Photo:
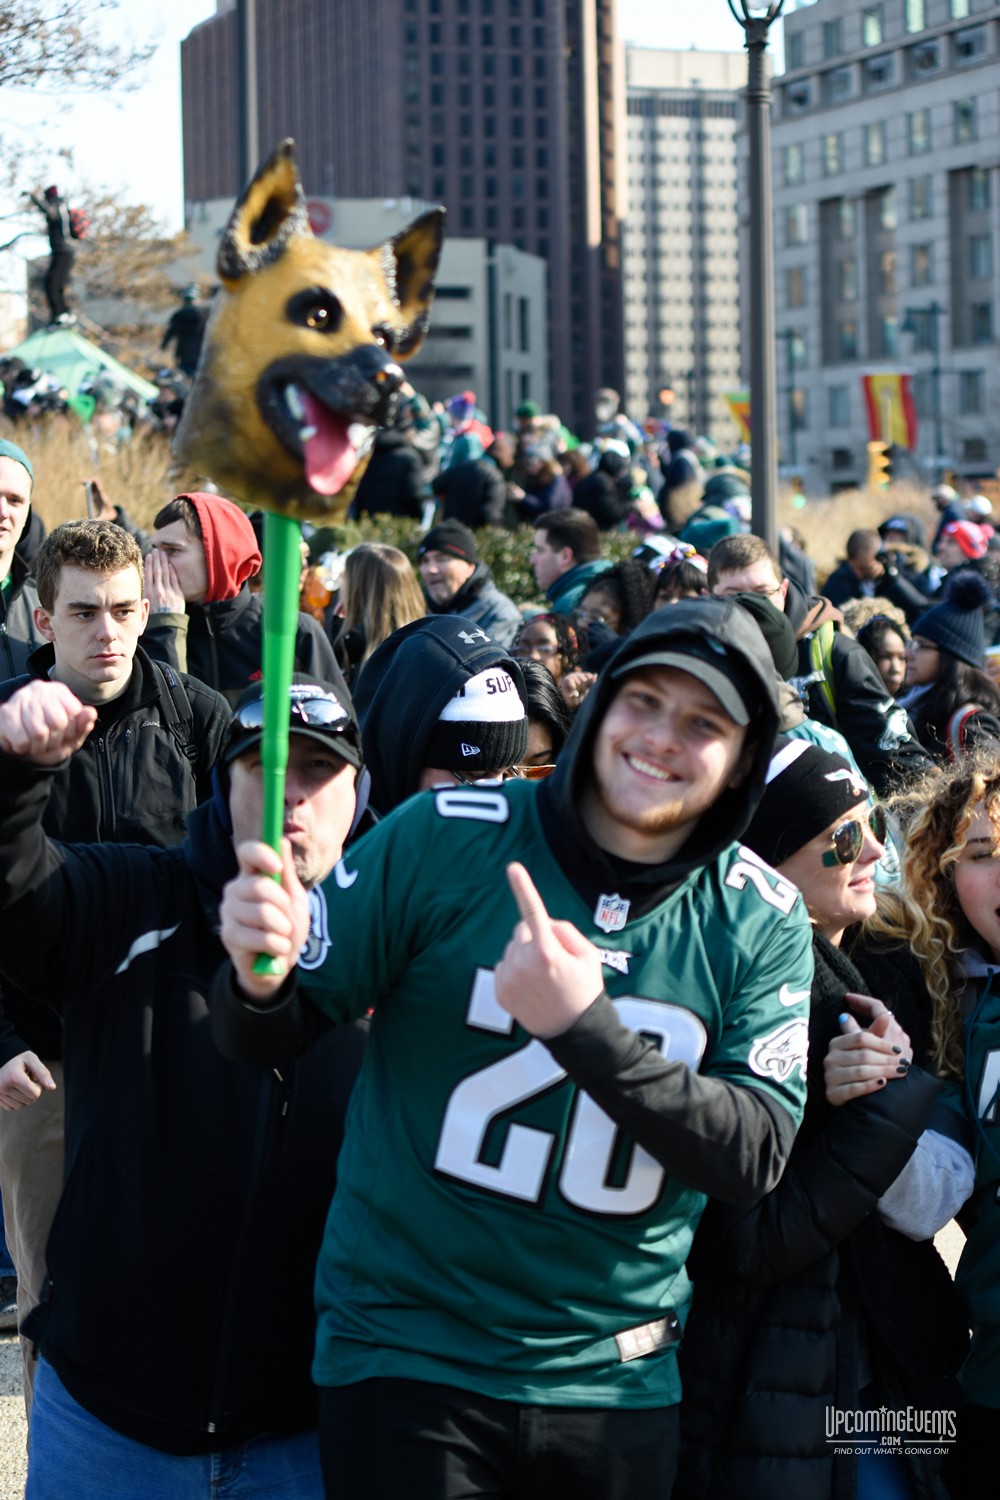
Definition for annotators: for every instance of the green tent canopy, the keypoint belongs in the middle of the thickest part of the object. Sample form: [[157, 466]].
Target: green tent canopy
[[75, 361]]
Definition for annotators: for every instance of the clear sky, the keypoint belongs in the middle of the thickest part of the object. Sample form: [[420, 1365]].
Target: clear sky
[[130, 141]]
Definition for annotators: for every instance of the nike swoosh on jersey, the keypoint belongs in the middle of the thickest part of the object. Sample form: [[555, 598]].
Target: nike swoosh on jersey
[[343, 879], [791, 997]]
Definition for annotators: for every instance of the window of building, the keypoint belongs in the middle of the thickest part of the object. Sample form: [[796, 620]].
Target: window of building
[[921, 197], [887, 273], [847, 219], [981, 322], [921, 265], [841, 458], [970, 45], [879, 71], [833, 38], [515, 36], [524, 325], [793, 165], [796, 224], [979, 189], [838, 85], [437, 155], [889, 336], [847, 280], [888, 218], [799, 409], [833, 153], [980, 257], [795, 51], [914, 14], [797, 97], [871, 26], [875, 147], [974, 450], [847, 339], [971, 392], [795, 286], [838, 406], [465, 216], [918, 128], [959, 9], [965, 120], [924, 58]]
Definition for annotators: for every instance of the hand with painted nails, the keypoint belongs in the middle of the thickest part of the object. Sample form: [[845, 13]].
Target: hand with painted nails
[[550, 973], [862, 1061]]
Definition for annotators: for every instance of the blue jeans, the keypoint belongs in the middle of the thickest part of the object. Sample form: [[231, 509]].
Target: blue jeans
[[71, 1453], [6, 1264]]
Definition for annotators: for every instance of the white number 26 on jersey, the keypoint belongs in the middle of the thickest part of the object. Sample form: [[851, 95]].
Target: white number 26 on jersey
[[523, 1164]]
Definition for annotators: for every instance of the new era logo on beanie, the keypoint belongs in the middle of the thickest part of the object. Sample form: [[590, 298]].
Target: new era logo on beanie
[[483, 728]]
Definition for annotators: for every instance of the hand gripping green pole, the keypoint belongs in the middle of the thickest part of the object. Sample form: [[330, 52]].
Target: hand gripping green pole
[[282, 570]]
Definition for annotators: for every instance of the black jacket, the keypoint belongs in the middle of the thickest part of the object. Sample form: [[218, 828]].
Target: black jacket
[[474, 493], [604, 496], [222, 644], [19, 634], [871, 721], [806, 1298], [194, 1186], [146, 764], [393, 482]]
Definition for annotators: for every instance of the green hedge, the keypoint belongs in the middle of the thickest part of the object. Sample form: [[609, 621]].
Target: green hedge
[[506, 552]]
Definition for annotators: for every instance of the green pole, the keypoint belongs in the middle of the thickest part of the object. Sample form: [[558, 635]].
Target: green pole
[[282, 570]]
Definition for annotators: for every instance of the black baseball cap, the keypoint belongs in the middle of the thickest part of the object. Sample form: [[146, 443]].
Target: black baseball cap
[[724, 672], [318, 710]]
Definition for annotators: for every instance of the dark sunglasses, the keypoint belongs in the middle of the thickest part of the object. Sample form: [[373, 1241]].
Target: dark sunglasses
[[310, 707], [849, 838]]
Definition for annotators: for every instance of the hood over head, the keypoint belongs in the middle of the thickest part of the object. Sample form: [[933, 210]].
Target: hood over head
[[711, 633], [231, 552], [405, 686]]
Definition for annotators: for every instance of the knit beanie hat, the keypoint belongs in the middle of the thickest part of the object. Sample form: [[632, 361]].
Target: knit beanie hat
[[971, 537], [11, 450], [482, 729], [452, 538], [806, 790], [956, 624], [777, 630]]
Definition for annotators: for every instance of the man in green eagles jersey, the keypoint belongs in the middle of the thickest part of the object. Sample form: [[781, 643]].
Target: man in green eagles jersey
[[547, 1102]]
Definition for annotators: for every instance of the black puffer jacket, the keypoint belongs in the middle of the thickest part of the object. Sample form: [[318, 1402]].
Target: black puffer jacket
[[191, 1182], [146, 764], [222, 643], [807, 1298]]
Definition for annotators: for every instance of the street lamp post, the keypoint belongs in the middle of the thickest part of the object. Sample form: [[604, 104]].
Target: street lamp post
[[248, 151], [763, 372]]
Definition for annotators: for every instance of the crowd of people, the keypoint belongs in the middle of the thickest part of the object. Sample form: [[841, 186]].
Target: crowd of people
[[629, 1031]]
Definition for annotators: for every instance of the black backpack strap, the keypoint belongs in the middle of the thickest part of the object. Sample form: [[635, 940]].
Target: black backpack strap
[[176, 707]]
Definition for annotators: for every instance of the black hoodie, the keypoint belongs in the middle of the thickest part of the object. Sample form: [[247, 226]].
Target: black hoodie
[[592, 869], [402, 689]]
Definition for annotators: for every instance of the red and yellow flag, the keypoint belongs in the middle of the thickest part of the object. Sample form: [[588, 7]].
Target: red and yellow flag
[[739, 409], [892, 415]]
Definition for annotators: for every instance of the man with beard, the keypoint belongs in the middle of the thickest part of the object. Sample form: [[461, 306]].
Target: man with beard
[[540, 1118]]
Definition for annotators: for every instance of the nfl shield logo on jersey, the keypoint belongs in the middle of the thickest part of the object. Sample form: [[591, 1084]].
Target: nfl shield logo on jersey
[[611, 913]]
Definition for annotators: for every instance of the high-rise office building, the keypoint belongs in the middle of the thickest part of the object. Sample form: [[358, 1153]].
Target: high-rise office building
[[681, 236], [502, 110], [886, 195]]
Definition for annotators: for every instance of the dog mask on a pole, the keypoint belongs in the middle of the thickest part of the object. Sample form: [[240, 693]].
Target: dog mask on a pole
[[300, 363]]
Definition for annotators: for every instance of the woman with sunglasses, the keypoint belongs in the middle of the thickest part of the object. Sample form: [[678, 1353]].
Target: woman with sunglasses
[[816, 1300], [953, 704]]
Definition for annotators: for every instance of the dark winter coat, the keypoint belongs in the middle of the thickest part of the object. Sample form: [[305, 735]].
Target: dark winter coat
[[194, 1187], [474, 493], [480, 601], [145, 766], [805, 1299], [19, 635], [393, 482], [872, 723]]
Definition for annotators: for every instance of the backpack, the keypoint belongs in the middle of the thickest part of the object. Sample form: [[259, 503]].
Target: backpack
[[79, 224], [178, 714]]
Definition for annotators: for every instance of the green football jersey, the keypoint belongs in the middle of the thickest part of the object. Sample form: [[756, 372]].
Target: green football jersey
[[492, 1228]]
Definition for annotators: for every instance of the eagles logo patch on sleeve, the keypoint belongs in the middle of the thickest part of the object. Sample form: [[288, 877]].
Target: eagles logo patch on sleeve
[[778, 1054]]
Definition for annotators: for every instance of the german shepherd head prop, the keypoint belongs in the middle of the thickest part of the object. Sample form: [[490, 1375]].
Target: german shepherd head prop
[[300, 361]]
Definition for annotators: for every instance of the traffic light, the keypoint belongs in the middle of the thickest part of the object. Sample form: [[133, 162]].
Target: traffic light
[[879, 466]]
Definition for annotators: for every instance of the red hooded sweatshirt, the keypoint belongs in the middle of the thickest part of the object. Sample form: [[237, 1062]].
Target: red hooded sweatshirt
[[231, 551]]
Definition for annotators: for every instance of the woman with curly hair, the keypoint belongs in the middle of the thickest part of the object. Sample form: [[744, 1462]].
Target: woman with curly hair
[[954, 706], [951, 922], [617, 600], [548, 638]]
